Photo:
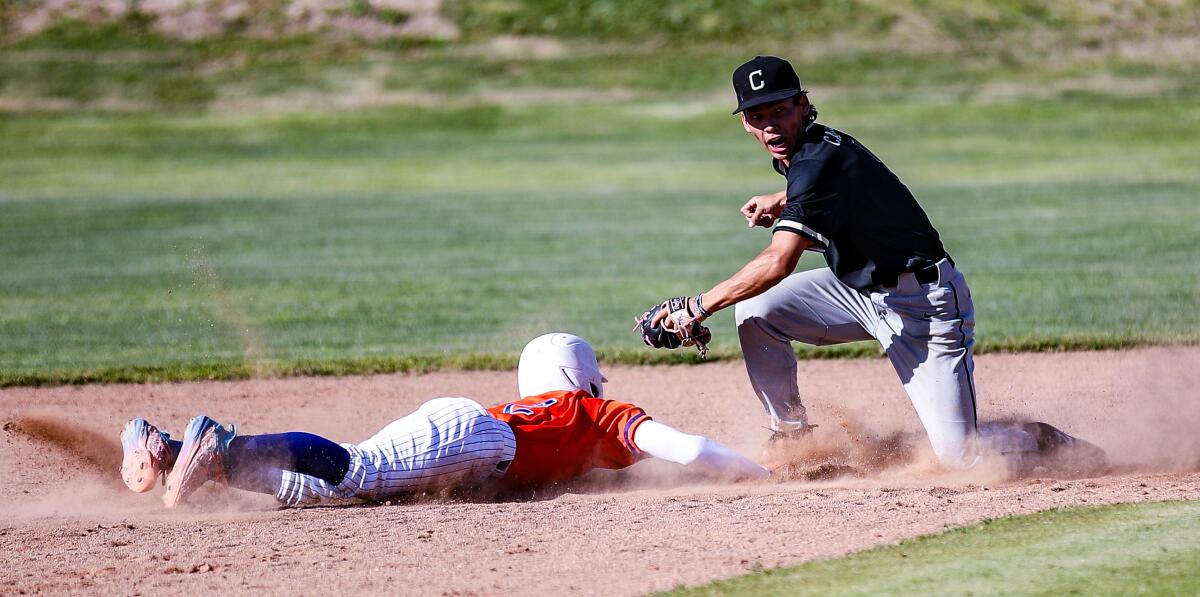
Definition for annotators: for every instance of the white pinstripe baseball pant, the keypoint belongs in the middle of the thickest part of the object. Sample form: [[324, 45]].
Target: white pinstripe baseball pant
[[446, 443]]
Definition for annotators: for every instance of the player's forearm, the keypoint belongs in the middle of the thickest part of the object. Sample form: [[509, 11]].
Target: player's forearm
[[771, 266], [696, 452], [753, 279]]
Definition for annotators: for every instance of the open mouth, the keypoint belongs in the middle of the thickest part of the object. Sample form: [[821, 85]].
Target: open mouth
[[777, 143]]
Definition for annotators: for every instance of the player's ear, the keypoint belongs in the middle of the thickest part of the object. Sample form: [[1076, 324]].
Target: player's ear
[[802, 101], [746, 125]]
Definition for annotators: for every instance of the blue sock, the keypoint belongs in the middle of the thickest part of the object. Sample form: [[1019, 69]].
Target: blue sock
[[256, 462], [174, 446]]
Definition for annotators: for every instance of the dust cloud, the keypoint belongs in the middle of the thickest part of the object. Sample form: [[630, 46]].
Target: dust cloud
[[1159, 430], [93, 451]]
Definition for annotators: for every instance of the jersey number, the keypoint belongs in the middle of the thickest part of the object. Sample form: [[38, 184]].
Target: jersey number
[[513, 408]]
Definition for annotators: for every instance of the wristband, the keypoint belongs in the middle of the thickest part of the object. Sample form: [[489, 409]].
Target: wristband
[[700, 307]]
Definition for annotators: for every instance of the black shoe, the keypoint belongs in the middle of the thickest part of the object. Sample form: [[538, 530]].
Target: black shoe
[[1067, 455]]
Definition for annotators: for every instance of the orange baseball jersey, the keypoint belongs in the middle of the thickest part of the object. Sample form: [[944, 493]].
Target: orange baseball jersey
[[561, 435]]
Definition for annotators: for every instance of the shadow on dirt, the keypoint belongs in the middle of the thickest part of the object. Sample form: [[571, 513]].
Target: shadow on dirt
[[98, 452]]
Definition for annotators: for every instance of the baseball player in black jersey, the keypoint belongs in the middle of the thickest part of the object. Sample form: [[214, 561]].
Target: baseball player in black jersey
[[888, 277]]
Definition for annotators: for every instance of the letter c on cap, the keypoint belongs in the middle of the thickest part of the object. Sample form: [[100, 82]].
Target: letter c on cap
[[760, 83]]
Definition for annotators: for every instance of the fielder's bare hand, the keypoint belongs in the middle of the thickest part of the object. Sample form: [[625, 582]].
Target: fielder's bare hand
[[763, 210]]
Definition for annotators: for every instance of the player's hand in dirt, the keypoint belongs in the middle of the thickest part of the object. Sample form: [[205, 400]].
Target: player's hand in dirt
[[763, 210]]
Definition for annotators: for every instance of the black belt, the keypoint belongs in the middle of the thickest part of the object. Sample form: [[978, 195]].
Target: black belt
[[925, 275], [929, 274]]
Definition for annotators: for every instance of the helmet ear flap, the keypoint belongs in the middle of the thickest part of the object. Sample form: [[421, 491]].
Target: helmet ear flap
[[582, 379], [574, 379]]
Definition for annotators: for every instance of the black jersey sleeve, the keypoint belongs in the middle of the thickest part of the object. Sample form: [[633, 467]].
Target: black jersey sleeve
[[811, 209]]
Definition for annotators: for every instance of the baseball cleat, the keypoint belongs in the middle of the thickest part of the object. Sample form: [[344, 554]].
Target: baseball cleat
[[201, 459], [1066, 454], [147, 456]]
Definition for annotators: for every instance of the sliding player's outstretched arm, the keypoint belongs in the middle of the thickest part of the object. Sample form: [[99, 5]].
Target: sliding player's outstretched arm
[[696, 452]]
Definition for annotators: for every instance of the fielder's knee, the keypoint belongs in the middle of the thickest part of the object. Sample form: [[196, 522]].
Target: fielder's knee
[[751, 310]]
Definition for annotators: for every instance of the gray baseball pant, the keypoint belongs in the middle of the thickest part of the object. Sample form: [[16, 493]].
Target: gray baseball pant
[[927, 331]]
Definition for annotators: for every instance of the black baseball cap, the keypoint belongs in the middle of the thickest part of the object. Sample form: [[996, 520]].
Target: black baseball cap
[[763, 80]]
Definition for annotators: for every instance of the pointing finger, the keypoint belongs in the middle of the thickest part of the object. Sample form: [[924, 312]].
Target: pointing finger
[[756, 217]]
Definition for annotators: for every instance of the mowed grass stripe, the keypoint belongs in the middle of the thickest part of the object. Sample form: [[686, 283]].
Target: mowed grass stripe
[[927, 140], [1125, 549]]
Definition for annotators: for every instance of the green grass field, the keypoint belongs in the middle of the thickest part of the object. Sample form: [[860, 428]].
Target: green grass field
[[181, 210], [186, 245], [1127, 549]]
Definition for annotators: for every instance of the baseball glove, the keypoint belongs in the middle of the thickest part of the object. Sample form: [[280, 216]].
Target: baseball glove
[[680, 327]]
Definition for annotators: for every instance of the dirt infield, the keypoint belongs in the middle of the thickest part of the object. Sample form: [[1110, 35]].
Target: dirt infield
[[70, 526]]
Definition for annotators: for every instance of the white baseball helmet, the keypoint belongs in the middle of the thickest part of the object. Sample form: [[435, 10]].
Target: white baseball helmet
[[559, 361]]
